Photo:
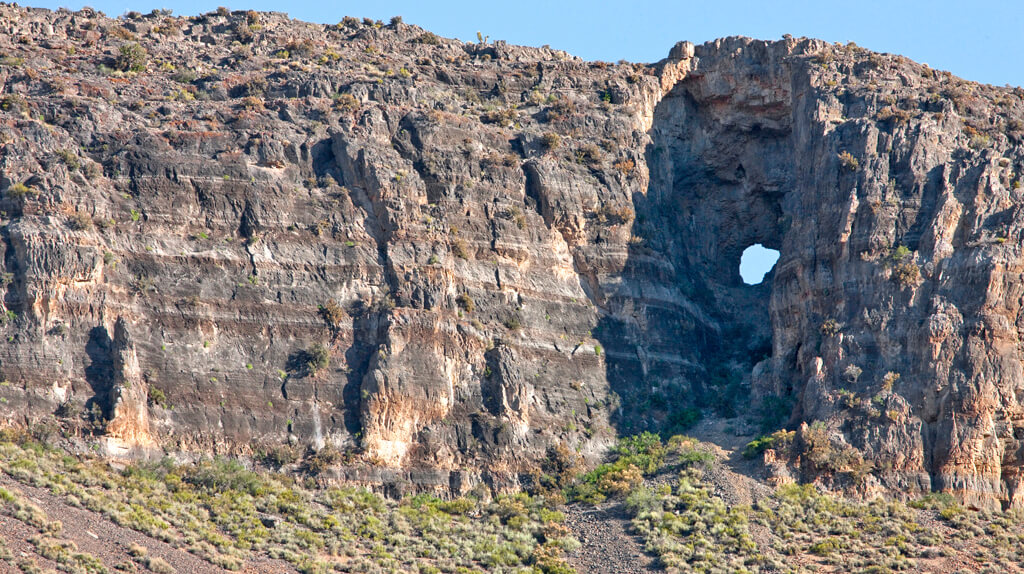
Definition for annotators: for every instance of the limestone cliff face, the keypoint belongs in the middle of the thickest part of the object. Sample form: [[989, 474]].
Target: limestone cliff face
[[447, 258]]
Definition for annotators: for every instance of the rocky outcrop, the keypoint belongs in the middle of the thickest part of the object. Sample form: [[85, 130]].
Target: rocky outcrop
[[128, 426], [447, 258]]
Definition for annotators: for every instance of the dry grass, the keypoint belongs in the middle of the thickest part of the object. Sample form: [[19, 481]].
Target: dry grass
[[800, 529], [226, 515]]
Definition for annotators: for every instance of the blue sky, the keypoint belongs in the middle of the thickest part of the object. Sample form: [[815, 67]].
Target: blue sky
[[978, 40]]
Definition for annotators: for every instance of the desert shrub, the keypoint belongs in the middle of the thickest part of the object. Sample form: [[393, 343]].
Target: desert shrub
[[158, 565], [894, 115], [848, 162], [778, 440], [69, 159], [80, 221], [560, 110], [157, 397], [318, 358], [322, 460], [458, 247], [332, 313], [889, 379], [691, 530], [683, 420], [935, 501], [500, 160], [18, 190], [428, 38], [224, 514], [465, 302], [696, 459], [906, 274], [517, 216], [137, 550], [901, 260], [831, 328], [625, 166], [852, 373], [614, 215], [13, 103], [644, 450], [550, 141], [278, 456], [131, 57], [308, 362], [979, 141], [502, 117], [512, 322], [223, 474], [589, 154], [346, 102], [635, 456]]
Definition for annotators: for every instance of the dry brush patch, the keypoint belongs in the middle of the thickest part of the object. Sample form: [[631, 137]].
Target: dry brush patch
[[227, 515]]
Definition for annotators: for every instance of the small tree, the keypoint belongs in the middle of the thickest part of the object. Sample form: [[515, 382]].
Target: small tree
[[317, 358], [131, 58]]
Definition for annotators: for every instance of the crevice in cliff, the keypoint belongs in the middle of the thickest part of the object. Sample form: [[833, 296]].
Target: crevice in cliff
[[683, 332], [370, 320], [13, 279], [7, 274], [534, 193], [99, 373]]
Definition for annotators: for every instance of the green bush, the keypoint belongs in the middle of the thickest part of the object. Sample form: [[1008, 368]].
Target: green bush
[[635, 456], [317, 358], [18, 190], [223, 474], [777, 440], [466, 302], [131, 57], [683, 420], [935, 500], [157, 397], [644, 451]]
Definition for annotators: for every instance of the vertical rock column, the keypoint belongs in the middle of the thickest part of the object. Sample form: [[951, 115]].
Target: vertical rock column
[[128, 428]]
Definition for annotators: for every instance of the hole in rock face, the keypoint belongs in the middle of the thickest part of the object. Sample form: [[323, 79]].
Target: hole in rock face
[[756, 261]]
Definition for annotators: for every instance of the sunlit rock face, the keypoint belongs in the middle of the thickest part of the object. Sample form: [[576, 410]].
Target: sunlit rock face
[[447, 259]]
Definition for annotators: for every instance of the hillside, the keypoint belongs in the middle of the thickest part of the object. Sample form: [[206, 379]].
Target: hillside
[[374, 257]]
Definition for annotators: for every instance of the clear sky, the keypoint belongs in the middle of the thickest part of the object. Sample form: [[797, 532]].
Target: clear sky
[[980, 40]]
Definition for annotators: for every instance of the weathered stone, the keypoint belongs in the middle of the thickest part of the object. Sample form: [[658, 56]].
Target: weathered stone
[[503, 249]]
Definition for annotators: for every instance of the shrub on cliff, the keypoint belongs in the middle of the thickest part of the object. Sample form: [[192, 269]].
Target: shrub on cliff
[[322, 459], [906, 274], [778, 440], [19, 190], [157, 397], [466, 302], [332, 313], [318, 358], [848, 161], [131, 58]]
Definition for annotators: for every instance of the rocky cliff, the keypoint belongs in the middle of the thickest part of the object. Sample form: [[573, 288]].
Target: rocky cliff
[[452, 261]]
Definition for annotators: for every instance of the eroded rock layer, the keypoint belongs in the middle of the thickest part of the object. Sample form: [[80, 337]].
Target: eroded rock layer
[[234, 232]]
